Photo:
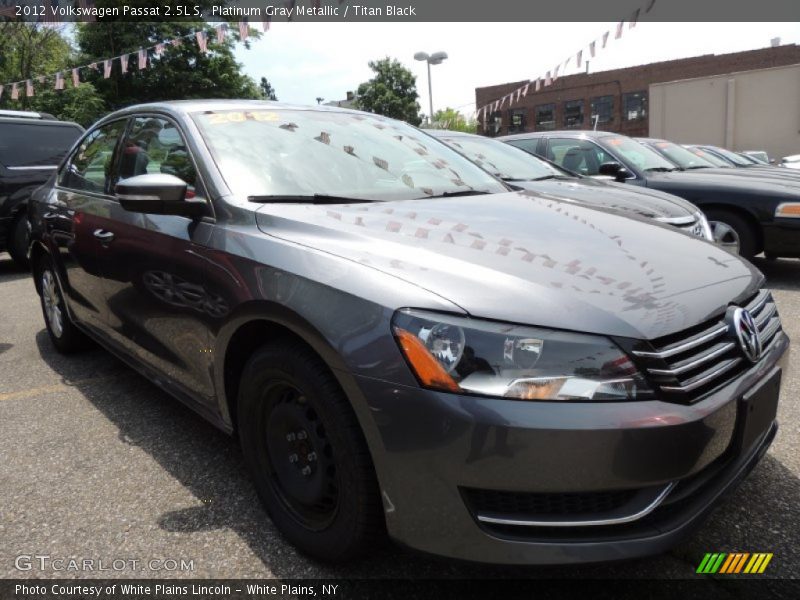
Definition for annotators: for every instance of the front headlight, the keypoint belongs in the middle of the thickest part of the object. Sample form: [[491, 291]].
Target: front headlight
[[703, 222], [469, 356]]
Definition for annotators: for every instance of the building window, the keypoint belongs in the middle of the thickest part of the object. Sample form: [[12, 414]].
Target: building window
[[573, 114], [545, 117], [635, 106], [603, 109], [495, 122], [516, 120]]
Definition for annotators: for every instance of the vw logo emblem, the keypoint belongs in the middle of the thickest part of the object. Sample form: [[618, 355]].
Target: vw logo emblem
[[746, 332]]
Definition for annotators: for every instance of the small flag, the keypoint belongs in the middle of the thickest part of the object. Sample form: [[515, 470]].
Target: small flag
[[59, 81], [202, 41], [265, 24], [579, 58], [142, 58], [605, 39], [107, 68], [93, 66], [547, 80], [14, 92], [75, 79], [649, 6], [592, 48], [525, 90], [29, 88], [123, 63], [620, 25], [634, 18], [244, 30], [538, 84], [555, 74], [221, 31], [159, 50], [41, 79]]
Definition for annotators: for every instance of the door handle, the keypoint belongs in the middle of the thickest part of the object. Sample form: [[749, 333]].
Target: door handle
[[104, 236]]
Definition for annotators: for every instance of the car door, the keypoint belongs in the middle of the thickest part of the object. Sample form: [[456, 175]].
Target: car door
[[153, 268], [76, 220]]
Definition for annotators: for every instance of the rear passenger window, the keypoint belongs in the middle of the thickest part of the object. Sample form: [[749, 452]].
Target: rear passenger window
[[91, 167], [35, 144], [529, 145], [154, 145]]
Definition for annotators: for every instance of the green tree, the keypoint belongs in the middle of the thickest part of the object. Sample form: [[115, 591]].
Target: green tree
[[451, 119], [181, 71], [267, 90], [392, 92]]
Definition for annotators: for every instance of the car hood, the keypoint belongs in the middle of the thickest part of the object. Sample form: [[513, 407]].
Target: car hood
[[529, 258], [757, 182], [643, 202], [766, 172]]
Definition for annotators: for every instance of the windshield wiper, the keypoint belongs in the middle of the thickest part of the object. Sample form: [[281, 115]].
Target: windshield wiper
[[697, 167], [662, 169], [459, 193], [308, 199]]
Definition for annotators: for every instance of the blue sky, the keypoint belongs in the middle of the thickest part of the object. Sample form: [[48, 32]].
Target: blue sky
[[306, 60]]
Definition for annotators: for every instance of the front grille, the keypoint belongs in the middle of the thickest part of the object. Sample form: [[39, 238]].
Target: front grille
[[531, 505], [691, 364]]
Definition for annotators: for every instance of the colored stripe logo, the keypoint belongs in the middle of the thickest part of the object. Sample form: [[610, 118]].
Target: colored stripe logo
[[734, 563]]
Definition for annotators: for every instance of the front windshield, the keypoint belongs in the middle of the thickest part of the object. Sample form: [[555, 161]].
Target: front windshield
[[681, 156], [639, 155], [733, 157], [708, 157], [273, 153], [502, 160]]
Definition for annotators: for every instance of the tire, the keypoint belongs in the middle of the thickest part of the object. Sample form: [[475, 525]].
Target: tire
[[18, 242], [64, 335], [307, 455], [734, 233]]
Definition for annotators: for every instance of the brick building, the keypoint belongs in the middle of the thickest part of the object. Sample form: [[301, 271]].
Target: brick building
[[619, 97]]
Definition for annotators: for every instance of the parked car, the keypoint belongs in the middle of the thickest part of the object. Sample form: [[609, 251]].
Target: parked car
[[742, 161], [31, 146], [689, 159], [747, 215], [758, 155], [403, 343], [524, 171], [791, 162]]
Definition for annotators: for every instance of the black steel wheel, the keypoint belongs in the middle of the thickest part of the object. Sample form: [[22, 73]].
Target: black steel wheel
[[307, 455]]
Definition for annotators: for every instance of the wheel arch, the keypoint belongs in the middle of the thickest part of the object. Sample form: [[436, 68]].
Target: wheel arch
[[253, 326]]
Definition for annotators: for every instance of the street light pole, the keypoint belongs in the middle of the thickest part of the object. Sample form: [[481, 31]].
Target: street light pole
[[432, 59]]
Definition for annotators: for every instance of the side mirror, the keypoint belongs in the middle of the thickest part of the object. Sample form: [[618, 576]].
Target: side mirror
[[158, 194], [615, 170]]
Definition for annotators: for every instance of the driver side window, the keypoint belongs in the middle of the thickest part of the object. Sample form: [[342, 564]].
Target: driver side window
[[91, 166], [154, 145]]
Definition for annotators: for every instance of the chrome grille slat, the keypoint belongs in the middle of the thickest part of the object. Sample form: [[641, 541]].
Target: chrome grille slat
[[680, 347], [695, 361], [766, 314], [758, 302], [704, 377], [687, 369]]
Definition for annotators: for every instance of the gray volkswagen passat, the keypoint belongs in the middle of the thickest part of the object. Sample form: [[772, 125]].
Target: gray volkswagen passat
[[403, 344]]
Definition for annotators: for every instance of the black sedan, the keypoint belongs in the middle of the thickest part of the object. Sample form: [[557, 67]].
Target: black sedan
[[749, 215]]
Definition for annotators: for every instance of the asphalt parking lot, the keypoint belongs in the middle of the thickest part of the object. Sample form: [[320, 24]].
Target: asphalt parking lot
[[97, 463]]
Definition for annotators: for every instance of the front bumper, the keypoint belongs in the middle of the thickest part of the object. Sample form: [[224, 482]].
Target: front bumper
[[782, 238], [433, 450]]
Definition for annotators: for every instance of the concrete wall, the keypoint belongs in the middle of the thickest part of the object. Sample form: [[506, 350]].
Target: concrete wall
[[749, 110]]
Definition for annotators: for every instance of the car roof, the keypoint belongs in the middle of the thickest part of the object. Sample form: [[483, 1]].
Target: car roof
[[26, 114], [39, 122], [573, 133], [185, 107]]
